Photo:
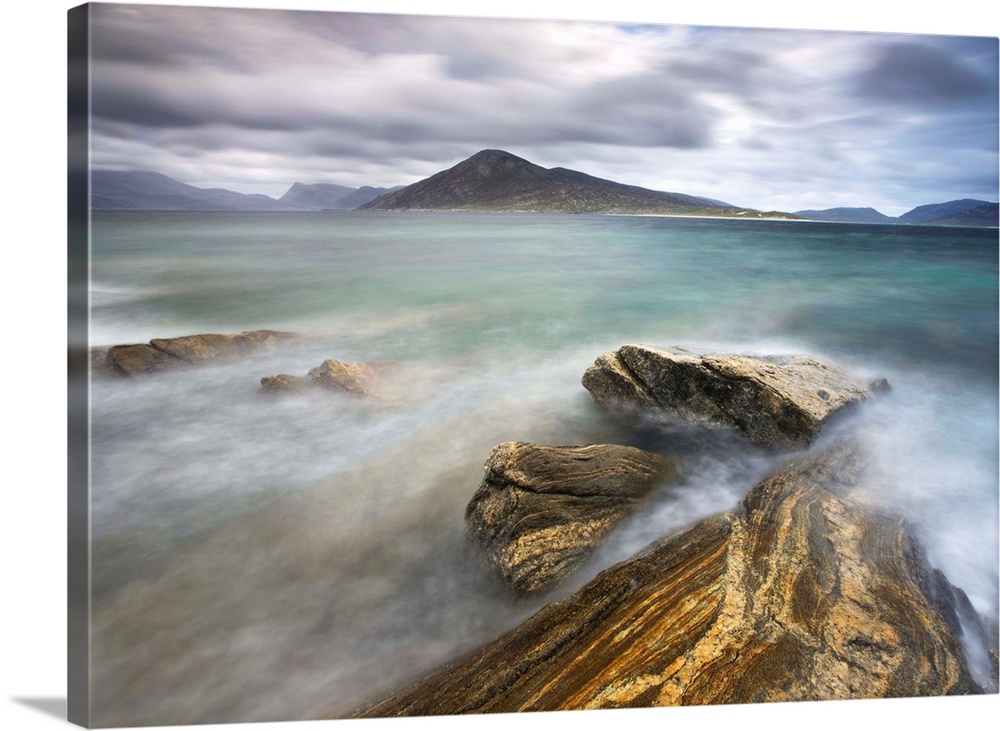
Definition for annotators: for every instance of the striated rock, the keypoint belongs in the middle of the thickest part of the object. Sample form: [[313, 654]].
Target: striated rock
[[540, 511], [801, 593], [330, 375], [779, 402], [162, 354]]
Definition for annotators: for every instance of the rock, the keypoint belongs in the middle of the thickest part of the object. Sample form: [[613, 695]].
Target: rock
[[282, 383], [540, 511], [162, 354], [330, 375], [211, 347], [779, 402], [801, 593], [139, 360]]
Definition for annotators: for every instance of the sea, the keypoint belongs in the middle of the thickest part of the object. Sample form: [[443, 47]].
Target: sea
[[263, 559]]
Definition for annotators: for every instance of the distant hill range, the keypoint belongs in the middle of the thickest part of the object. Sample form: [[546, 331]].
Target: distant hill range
[[495, 180], [132, 190], [490, 180], [331, 197], [964, 212]]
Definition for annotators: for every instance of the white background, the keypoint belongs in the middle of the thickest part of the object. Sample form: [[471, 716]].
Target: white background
[[33, 451]]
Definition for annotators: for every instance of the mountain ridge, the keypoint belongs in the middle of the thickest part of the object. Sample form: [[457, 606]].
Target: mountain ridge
[[968, 212], [493, 180], [497, 180], [141, 190]]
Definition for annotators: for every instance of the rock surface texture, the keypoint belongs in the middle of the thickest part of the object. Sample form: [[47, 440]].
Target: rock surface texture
[[163, 354], [801, 593], [330, 375], [779, 402], [540, 510]]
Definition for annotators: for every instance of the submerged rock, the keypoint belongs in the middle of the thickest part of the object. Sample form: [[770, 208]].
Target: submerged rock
[[163, 354], [779, 402], [540, 510], [802, 593], [330, 375]]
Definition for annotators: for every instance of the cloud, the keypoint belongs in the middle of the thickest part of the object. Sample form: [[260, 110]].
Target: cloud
[[915, 73], [255, 100]]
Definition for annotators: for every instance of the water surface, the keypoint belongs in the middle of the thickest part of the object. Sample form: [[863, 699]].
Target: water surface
[[260, 559]]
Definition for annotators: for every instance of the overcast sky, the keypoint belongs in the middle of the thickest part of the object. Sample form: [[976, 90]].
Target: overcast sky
[[254, 100]]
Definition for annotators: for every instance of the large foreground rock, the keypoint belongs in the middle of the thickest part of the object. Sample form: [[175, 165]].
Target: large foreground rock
[[801, 593], [779, 402], [540, 510], [164, 354]]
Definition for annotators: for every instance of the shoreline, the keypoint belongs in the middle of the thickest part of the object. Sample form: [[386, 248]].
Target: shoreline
[[101, 211]]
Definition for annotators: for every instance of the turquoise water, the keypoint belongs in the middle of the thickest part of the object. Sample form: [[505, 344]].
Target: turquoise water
[[325, 535]]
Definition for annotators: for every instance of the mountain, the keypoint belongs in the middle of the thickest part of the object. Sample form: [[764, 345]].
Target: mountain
[[987, 215], [331, 197], [134, 190], [847, 215], [495, 180], [967, 209], [964, 212], [316, 196]]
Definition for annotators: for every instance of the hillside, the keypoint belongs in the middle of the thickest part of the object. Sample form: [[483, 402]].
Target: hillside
[[964, 212], [847, 215], [134, 190], [494, 180], [331, 197]]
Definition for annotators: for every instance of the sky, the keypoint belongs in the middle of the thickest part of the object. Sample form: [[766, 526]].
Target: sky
[[253, 100]]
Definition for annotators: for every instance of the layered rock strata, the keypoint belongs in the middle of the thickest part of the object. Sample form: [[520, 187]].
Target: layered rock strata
[[801, 593], [165, 354], [541, 510], [330, 375], [779, 402]]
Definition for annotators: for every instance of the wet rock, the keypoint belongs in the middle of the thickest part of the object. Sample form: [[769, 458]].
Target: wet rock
[[779, 402], [801, 593], [140, 360], [330, 375], [164, 354], [196, 349], [541, 510]]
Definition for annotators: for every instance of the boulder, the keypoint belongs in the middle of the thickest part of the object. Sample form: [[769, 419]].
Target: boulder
[[163, 354], [800, 593], [540, 510], [779, 402], [330, 375]]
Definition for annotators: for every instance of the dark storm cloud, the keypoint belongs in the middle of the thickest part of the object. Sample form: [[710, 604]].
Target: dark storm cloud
[[645, 110], [732, 70], [471, 54], [920, 74], [124, 35], [143, 107]]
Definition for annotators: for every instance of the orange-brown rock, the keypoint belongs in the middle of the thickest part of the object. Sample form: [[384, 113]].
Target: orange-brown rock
[[330, 375], [540, 511], [802, 593], [163, 354]]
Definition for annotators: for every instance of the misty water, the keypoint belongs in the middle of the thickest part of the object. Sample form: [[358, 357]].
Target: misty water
[[263, 558]]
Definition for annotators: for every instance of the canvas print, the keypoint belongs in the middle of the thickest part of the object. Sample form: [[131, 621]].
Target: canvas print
[[428, 365]]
